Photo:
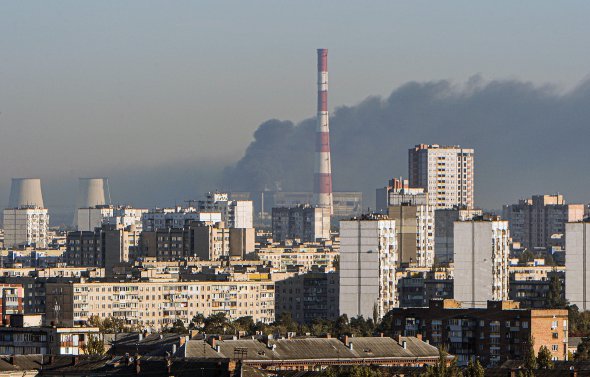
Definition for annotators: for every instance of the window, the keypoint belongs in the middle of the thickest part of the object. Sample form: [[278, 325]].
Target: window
[[555, 347]]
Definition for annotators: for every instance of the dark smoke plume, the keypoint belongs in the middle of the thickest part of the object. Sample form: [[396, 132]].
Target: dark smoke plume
[[528, 139]]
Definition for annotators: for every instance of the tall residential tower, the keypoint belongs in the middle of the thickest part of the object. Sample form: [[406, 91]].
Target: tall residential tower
[[445, 172]]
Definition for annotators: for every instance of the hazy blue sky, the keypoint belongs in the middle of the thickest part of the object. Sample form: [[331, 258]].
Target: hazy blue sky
[[88, 88]]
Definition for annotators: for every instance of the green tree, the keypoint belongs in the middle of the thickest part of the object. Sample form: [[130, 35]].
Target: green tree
[[111, 325], [94, 345], [583, 351], [216, 324], [443, 368], [526, 256], [544, 358], [245, 324], [197, 322], [178, 327], [555, 298], [474, 369], [530, 361], [352, 371], [342, 326]]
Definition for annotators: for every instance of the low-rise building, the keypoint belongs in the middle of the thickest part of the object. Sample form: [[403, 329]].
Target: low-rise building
[[494, 334], [317, 353], [530, 284]]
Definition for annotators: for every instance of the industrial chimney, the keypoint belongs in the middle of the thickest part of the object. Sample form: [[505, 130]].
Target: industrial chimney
[[322, 193], [91, 192], [25, 192]]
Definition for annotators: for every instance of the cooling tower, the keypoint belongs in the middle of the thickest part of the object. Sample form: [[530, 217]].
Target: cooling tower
[[25, 192], [91, 192]]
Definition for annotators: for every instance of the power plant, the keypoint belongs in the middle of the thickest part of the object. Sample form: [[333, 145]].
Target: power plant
[[91, 192], [323, 167], [92, 206], [26, 219], [25, 192]]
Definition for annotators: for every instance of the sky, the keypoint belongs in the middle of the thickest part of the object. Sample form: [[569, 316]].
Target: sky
[[161, 96]]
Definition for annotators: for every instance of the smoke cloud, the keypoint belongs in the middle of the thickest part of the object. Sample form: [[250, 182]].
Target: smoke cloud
[[528, 139]]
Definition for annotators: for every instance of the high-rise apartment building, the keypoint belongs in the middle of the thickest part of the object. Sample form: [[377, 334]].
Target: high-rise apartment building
[[178, 217], [205, 240], [303, 222], [539, 222], [481, 253], [445, 172], [368, 259], [106, 246], [414, 222], [87, 219], [126, 216], [234, 213], [577, 264], [444, 225], [26, 220]]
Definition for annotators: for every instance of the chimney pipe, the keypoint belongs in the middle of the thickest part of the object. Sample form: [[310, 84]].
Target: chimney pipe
[[323, 166]]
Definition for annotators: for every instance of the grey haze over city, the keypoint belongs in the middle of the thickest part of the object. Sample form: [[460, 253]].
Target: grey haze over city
[[171, 103]]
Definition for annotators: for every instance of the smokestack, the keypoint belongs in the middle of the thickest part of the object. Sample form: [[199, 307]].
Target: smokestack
[[91, 192], [323, 167], [26, 192]]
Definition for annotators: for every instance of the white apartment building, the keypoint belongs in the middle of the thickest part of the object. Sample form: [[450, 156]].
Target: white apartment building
[[26, 226], [444, 227], [481, 250], [577, 264], [158, 304], [87, 219], [234, 213], [445, 172], [368, 259], [179, 217], [126, 216]]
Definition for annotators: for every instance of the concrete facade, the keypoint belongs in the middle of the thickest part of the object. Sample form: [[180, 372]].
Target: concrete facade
[[234, 213], [539, 222], [368, 259], [26, 226], [158, 304], [87, 219], [303, 222], [481, 253], [577, 264], [444, 226], [445, 172], [414, 224]]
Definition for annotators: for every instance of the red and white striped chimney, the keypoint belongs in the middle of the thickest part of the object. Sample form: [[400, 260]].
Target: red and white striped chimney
[[323, 167]]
